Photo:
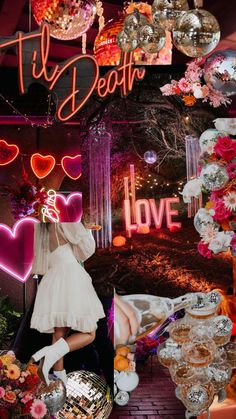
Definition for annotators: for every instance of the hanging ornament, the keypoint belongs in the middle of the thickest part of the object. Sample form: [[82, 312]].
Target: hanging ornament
[[84, 43], [214, 176], [125, 42], [133, 22], [197, 33], [67, 19], [220, 71], [151, 39], [166, 12], [8, 152], [150, 156]]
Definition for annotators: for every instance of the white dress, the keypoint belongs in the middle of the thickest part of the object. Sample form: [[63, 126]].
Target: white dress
[[65, 296]]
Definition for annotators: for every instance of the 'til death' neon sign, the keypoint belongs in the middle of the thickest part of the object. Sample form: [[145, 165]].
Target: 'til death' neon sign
[[74, 80]]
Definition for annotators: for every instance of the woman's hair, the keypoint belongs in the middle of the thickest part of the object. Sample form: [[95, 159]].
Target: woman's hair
[[44, 226]]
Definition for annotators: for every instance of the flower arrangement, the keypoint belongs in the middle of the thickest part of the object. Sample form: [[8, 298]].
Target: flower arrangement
[[216, 223], [27, 199], [191, 88], [18, 385]]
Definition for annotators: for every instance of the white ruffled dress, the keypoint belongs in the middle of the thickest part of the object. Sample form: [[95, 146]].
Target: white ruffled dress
[[65, 296]]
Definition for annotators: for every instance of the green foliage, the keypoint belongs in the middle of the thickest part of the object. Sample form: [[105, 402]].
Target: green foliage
[[9, 320]]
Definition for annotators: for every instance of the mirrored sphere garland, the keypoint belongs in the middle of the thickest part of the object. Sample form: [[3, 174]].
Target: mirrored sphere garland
[[195, 32], [199, 355]]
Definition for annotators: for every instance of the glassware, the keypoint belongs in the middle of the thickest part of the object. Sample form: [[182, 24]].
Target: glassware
[[222, 328], [206, 306], [200, 352], [169, 352], [219, 375], [179, 331], [183, 373], [230, 350], [197, 398]]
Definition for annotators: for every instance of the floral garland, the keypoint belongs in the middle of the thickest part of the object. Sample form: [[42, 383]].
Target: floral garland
[[191, 88], [216, 223], [18, 385], [26, 200]]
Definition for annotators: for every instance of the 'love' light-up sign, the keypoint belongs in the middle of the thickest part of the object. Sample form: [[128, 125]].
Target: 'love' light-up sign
[[17, 248], [73, 81], [146, 209]]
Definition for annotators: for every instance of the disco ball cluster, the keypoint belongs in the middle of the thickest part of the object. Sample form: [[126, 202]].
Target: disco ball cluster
[[67, 19], [195, 32]]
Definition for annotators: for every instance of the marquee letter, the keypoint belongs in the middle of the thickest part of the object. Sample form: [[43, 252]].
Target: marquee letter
[[138, 211], [128, 225], [157, 217], [172, 226]]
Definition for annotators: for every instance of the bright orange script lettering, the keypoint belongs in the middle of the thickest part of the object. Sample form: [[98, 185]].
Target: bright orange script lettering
[[74, 80]]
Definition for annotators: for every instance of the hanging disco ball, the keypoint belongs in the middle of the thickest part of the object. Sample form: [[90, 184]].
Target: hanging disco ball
[[133, 22], [125, 42], [151, 39], [166, 12], [67, 19], [150, 157], [220, 71], [88, 396], [197, 33]]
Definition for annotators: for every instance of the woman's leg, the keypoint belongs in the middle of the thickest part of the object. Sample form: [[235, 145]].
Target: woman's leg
[[79, 340], [60, 332]]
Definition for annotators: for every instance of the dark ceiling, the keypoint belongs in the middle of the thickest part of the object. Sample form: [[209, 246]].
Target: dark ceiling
[[14, 16]]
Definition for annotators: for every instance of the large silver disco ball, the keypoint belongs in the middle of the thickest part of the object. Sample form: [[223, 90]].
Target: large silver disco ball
[[88, 396], [53, 395], [220, 71]]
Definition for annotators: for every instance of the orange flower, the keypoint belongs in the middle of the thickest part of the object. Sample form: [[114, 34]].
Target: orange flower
[[122, 350], [10, 397], [7, 359], [209, 205], [225, 226], [33, 369], [13, 372], [121, 363], [189, 100]]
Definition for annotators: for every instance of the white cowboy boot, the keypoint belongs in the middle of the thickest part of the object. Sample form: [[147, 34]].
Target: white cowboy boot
[[48, 356], [61, 375]]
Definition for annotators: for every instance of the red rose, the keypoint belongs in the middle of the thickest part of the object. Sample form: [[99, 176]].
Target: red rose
[[225, 148], [204, 250], [26, 408], [221, 212]]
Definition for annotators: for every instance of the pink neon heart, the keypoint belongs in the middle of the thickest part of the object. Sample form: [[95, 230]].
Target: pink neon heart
[[72, 166], [70, 207], [17, 248]]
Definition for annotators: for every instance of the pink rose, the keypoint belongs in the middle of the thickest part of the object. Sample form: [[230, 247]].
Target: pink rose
[[217, 195], [225, 148], [231, 170], [221, 212], [204, 250], [184, 85]]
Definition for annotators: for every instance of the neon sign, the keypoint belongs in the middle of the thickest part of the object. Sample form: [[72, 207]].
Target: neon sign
[[73, 81], [72, 166], [145, 208], [8, 152], [60, 208], [17, 248], [42, 165]]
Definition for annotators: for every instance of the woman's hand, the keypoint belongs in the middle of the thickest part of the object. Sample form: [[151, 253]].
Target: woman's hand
[[90, 226], [126, 323]]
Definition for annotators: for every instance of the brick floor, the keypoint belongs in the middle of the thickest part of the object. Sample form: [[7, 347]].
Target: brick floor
[[154, 398]]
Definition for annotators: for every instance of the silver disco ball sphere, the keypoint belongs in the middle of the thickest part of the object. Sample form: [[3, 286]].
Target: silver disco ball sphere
[[88, 396], [53, 395]]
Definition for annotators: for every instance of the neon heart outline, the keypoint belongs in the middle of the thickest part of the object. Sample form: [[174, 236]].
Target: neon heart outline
[[10, 145], [43, 157], [71, 158], [67, 199], [12, 234]]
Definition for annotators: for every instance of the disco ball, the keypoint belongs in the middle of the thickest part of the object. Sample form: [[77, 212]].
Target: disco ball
[[166, 12], [220, 71], [133, 22], [150, 157], [67, 19], [125, 42], [151, 39], [53, 395], [214, 176], [197, 33], [88, 396]]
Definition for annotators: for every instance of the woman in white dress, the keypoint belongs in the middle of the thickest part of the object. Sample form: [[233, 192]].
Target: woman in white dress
[[66, 299]]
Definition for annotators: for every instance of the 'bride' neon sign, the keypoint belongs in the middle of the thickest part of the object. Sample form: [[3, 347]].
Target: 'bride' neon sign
[[74, 80]]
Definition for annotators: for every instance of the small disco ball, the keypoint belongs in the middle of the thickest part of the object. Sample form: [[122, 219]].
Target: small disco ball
[[67, 19], [53, 395], [88, 396], [220, 71], [150, 157]]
